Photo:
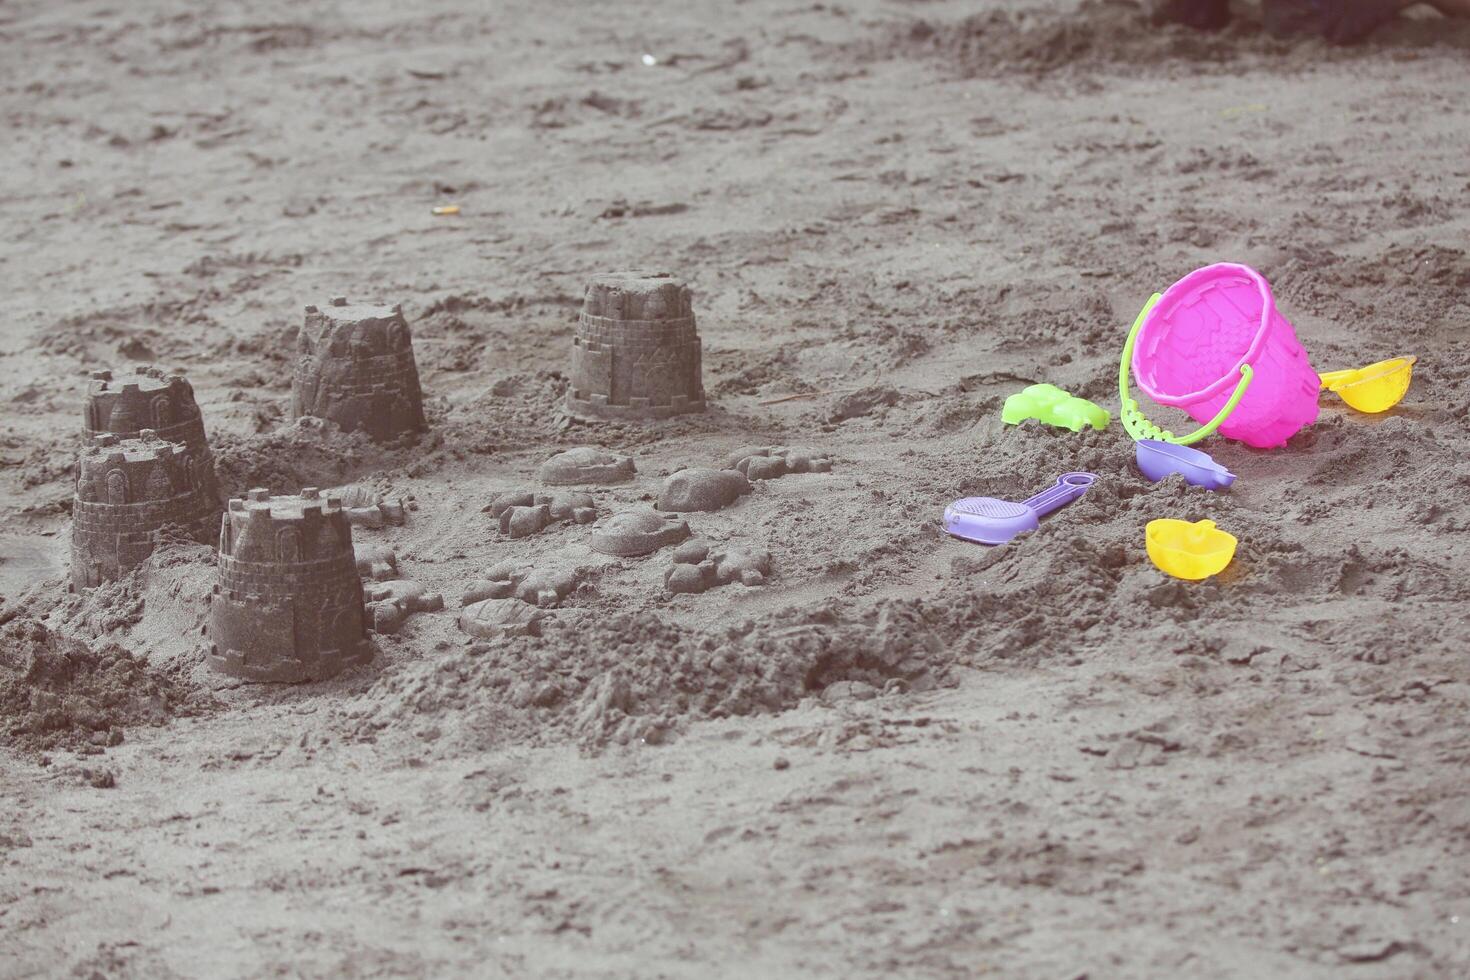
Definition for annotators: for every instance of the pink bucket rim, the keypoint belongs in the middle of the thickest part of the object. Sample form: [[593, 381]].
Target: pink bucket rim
[[1227, 382]]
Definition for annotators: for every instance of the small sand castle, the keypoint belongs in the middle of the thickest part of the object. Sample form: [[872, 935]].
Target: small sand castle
[[289, 603], [636, 354], [355, 366], [125, 404], [127, 491]]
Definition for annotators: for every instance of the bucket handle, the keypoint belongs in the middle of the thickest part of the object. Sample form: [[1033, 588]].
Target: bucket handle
[[1137, 425]]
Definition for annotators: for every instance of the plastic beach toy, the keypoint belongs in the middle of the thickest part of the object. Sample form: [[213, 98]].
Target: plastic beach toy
[[1157, 460], [987, 520], [1375, 388], [1214, 345], [1190, 551], [1053, 406]]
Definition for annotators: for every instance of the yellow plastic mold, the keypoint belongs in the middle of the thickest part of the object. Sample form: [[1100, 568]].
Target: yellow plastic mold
[[1189, 551], [1375, 388]]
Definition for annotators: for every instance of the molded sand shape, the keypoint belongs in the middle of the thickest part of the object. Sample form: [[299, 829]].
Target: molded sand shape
[[126, 492], [1375, 388], [702, 489], [1189, 551], [355, 366], [289, 603], [584, 465], [986, 520], [126, 404], [1157, 460], [375, 561], [522, 514], [634, 533], [490, 619], [1053, 406], [390, 603], [635, 351], [773, 462], [512, 579], [697, 569], [366, 507]]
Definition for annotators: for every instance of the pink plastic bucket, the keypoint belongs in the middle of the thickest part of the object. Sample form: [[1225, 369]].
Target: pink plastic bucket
[[1191, 346]]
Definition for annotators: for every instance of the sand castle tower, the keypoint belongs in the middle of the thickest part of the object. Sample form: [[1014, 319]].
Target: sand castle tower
[[289, 603], [127, 404], [355, 366], [636, 354], [127, 490]]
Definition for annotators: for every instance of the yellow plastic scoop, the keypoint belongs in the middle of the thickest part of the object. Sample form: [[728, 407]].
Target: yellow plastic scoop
[[1191, 551], [1375, 388]]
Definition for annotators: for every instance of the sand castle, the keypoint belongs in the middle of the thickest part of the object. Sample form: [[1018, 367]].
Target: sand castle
[[636, 354], [289, 603], [127, 491], [355, 366], [126, 404]]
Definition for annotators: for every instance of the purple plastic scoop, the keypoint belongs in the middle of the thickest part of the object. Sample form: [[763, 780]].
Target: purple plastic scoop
[[990, 521], [1157, 460]]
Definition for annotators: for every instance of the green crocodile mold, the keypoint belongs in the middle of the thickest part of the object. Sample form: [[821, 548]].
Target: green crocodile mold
[[1052, 405]]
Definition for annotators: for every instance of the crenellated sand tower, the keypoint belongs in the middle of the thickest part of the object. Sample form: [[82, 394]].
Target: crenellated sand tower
[[126, 404], [127, 491], [355, 366], [289, 603], [636, 353]]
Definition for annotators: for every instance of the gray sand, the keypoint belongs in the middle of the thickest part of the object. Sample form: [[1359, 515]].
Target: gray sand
[[902, 755]]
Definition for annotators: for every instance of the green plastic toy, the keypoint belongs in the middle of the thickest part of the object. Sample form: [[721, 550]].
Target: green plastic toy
[[1053, 406]]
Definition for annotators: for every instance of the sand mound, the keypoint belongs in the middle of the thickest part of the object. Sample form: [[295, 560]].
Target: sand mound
[[1122, 34], [1099, 33], [308, 452], [636, 676], [59, 692]]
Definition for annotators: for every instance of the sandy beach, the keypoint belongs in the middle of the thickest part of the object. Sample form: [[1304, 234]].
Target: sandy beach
[[903, 754]]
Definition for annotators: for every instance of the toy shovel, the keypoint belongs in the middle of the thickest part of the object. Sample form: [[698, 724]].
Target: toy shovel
[[987, 520]]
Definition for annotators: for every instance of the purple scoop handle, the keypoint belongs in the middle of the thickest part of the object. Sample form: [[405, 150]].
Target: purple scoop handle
[[1069, 487]]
